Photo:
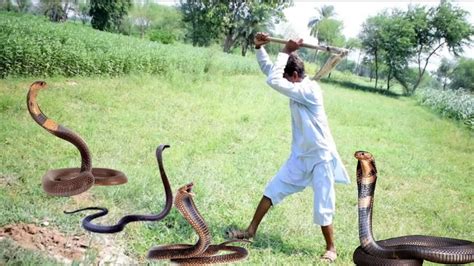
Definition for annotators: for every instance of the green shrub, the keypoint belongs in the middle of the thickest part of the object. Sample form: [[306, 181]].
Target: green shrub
[[32, 46], [457, 104]]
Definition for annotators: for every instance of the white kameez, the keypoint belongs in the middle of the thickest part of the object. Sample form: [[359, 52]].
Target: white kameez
[[312, 148], [312, 141]]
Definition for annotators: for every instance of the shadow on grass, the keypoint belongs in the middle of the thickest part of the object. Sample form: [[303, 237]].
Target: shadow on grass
[[279, 245], [355, 86], [275, 243]]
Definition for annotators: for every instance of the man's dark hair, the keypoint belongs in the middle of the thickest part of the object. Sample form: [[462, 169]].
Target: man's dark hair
[[294, 64]]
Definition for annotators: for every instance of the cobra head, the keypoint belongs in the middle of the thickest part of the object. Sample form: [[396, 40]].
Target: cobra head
[[186, 189], [365, 165], [38, 85]]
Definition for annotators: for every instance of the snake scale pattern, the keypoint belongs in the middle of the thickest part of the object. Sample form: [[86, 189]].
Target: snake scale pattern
[[109, 229], [69, 181], [405, 250], [202, 252]]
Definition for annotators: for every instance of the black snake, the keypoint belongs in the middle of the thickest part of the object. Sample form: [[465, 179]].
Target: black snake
[[108, 229], [405, 250], [202, 252], [69, 181]]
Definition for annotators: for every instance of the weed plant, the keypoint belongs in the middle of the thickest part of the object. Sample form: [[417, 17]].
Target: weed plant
[[457, 104]]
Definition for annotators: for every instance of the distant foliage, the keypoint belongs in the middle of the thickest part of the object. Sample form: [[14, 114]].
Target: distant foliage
[[32, 46], [457, 104], [108, 15]]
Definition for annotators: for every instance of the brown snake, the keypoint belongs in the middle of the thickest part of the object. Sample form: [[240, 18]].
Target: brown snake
[[405, 250], [69, 181], [202, 252]]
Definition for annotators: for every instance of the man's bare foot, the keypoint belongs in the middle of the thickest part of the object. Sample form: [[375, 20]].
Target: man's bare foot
[[238, 234], [329, 256]]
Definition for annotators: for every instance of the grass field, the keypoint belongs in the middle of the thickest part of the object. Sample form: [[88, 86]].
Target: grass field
[[230, 134]]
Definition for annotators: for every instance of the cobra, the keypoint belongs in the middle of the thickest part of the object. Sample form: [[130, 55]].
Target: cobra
[[69, 181], [404, 250], [202, 252], [108, 229]]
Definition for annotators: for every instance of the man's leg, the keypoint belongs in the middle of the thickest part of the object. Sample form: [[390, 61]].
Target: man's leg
[[328, 233], [262, 209], [324, 206], [274, 193]]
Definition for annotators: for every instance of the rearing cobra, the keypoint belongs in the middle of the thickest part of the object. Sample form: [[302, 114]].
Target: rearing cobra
[[69, 181], [202, 252], [405, 250]]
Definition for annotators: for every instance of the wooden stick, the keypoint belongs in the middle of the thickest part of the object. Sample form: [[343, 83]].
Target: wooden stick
[[330, 49]]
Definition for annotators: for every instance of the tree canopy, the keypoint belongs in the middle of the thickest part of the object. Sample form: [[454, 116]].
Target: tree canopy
[[236, 22], [399, 38]]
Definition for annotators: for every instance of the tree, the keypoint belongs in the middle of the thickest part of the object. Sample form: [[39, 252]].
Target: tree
[[415, 35], [57, 10], [397, 39], [237, 21], [371, 39], [108, 15], [203, 21], [444, 25], [354, 44], [444, 71], [143, 16], [21, 6], [463, 75], [83, 10], [167, 25], [250, 18], [325, 12]]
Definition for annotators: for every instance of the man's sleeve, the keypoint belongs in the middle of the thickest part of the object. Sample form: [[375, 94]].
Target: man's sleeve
[[264, 61], [292, 90]]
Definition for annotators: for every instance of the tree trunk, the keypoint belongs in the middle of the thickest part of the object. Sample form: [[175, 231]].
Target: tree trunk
[[355, 71], [245, 46], [376, 69], [229, 41], [421, 72]]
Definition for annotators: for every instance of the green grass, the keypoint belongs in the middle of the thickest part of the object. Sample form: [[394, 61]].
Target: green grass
[[230, 134], [13, 255]]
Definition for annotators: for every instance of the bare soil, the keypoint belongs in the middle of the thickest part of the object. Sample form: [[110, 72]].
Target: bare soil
[[63, 248]]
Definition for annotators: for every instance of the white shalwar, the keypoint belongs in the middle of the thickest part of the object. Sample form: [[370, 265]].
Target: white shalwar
[[314, 159]]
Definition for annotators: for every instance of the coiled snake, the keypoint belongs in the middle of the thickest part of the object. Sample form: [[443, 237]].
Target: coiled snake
[[202, 252], [87, 221], [405, 250], [69, 181]]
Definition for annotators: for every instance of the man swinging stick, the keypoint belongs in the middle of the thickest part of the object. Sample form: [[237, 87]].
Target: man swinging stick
[[314, 160]]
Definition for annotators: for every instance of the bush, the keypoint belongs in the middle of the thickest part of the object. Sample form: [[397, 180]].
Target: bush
[[32, 46], [457, 104]]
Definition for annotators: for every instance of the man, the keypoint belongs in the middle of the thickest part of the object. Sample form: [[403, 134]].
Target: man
[[314, 160]]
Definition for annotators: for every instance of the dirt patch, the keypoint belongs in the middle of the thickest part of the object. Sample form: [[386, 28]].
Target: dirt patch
[[63, 248], [7, 180], [30, 236]]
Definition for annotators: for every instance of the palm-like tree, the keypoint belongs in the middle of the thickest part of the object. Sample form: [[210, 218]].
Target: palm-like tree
[[324, 12]]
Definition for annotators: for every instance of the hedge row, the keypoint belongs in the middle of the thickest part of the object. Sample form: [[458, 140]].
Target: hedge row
[[32, 46]]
